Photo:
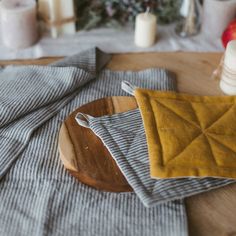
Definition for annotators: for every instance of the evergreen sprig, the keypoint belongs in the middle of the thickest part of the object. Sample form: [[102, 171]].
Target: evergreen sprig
[[116, 13]]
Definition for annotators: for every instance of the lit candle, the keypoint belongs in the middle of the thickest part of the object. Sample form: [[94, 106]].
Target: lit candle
[[18, 23], [145, 29], [228, 77]]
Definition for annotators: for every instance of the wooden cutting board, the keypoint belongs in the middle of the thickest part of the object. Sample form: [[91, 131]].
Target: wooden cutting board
[[84, 155]]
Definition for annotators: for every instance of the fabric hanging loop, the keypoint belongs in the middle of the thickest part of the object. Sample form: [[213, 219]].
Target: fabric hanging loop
[[128, 87], [83, 119]]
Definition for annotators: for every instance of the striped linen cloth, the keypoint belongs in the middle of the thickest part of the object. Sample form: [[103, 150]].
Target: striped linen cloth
[[124, 136], [38, 196]]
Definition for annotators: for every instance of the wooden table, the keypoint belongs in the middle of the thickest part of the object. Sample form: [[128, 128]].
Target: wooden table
[[212, 213]]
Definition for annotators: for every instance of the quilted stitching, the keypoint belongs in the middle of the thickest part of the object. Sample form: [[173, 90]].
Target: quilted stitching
[[189, 135]]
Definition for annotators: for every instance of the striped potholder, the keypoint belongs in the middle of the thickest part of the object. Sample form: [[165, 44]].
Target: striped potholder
[[124, 136]]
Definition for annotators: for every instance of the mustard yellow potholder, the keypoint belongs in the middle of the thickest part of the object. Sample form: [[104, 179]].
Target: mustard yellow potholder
[[189, 135]]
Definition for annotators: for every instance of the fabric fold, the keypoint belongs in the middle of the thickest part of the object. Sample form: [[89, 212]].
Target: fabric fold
[[30, 95], [24, 89]]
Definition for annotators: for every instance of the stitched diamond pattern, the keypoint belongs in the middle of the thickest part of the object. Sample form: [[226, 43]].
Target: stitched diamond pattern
[[189, 135]]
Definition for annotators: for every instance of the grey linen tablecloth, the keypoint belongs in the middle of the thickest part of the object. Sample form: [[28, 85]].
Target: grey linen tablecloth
[[37, 195]]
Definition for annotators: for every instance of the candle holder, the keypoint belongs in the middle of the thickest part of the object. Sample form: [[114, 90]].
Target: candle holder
[[190, 19]]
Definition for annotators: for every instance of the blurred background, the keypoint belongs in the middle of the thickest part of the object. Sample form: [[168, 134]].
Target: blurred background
[[34, 29]]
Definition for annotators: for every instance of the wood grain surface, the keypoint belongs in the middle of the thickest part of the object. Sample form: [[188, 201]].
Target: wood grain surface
[[212, 213], [84, 155]]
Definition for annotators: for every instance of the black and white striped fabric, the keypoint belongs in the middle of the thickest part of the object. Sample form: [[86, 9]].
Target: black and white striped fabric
[[38, 196], [124, 136]]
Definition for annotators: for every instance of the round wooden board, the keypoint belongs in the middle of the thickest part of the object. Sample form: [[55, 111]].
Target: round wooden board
[[83, 153]]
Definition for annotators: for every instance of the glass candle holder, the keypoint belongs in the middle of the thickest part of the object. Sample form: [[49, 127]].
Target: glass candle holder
[[190, 20]]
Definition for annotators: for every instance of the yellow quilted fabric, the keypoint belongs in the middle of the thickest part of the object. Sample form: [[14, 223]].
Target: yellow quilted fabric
[[189, 135]]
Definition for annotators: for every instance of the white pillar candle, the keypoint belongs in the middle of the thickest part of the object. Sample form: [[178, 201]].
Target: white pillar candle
[[56, 11], [18, 23], [68, 11], [228, 77], [145, 29], [54, 15], [230, 55], [216, 16]]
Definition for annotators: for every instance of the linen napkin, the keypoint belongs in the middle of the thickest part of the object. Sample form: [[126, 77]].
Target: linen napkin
[[31, 95], [38, 196]]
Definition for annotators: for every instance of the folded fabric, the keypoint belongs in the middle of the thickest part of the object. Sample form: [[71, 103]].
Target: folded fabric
[[30, 95], [189, 135], [38, 196], [124, 136]]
